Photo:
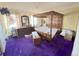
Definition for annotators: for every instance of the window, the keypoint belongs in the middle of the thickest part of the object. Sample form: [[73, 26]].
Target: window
[[33, 21]]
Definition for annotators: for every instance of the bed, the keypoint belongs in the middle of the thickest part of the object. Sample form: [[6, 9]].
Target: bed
[[53, 21]]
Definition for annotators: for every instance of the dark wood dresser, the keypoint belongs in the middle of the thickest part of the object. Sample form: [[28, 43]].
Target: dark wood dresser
[[24, 31]]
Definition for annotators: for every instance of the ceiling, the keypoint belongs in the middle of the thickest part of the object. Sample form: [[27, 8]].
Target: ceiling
[[40, 7]]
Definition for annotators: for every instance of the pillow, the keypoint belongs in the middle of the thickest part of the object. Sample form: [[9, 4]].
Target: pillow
[[69, 32], [63, 33], [68, 35]]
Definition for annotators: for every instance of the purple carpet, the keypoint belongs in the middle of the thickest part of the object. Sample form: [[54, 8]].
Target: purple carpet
[[24, 47]]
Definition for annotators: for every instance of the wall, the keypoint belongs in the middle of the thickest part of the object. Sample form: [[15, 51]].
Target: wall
[[70, 21], [75, 51]]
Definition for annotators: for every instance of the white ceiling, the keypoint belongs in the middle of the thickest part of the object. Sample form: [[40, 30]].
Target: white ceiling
[[40, 7]]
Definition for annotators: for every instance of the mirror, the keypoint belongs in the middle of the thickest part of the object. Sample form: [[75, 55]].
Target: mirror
[[25, 21]]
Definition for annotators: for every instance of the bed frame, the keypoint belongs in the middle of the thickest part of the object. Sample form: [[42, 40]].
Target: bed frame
[[55, 18]]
